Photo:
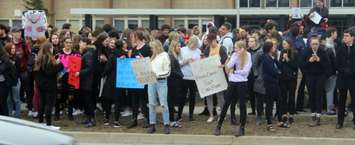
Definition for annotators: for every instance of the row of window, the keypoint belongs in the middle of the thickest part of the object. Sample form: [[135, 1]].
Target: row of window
[[299, 3], [132, 23]]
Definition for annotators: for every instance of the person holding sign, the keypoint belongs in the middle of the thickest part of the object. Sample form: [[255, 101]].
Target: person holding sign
[[238, 68], [161, 68], [86, 75], [140, 96], [189, 54], [213, 50], [46, 70], [319, 12]]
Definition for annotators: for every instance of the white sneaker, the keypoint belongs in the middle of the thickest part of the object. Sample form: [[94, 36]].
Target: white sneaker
[[210, 119], [54, 127], [77, 112], [126, 113], [140, 116], [34, 114], [30, 114]]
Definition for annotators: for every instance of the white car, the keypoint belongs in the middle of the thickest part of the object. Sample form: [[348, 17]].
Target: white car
[[20, 132]]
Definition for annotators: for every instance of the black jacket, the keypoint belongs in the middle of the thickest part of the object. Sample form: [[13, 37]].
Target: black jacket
[[345, 62], [46, 77], [332, 60], [320, 68], [271, 71], [289, 70], [176, 72], [144, 51], [87, 70], [109, 88]]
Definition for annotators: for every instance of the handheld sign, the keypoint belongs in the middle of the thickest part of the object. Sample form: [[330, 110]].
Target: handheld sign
[[74, 65], [315, 18], [125, 77], [296, 13], [34, 22], [142, 68], [210, 79]]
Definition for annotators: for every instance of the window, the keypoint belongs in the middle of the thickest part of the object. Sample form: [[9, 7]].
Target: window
[[254, 3], [132, 24], [160, 23], [17, 23], [119, 25], [75, 25], [335, 3], [99, 23], [4, 22], [243, 3], [284, 3], [306, 3], [271, 3], [204, 25], [349, 3], [192, 23], [178, 23], [59, 23], [145, 23]]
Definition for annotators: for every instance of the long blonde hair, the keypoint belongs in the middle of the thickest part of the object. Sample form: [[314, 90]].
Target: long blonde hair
[[157, 48], [243, 55], [172, 47], [44, 57]]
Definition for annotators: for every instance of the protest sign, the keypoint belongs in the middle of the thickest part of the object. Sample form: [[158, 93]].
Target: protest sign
[[74, 65], [142, 68], [34, 23], [296, 13], [209, 77], [315, 17], [125, 77]]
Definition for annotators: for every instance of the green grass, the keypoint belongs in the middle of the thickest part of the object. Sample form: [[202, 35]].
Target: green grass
[[200, 127]]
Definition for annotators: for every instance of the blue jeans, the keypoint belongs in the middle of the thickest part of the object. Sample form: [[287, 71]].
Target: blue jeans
[[330, 85], [155, 90], [14, 99]]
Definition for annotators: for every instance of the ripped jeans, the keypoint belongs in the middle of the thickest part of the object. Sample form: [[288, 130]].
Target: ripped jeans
[[155, 90]]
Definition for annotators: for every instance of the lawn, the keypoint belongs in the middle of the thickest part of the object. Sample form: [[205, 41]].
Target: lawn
[[199, 126]]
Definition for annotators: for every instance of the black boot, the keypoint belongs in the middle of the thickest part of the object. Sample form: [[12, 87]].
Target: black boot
[[339, 126], [151, 129], [133, 124], [217, 131], [241, 132], [204, 112], [166, 129]]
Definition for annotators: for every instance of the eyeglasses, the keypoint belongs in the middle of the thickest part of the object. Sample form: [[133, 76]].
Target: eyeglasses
[[315, 44]]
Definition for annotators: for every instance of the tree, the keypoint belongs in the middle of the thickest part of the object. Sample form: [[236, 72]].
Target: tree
[[35, 5]]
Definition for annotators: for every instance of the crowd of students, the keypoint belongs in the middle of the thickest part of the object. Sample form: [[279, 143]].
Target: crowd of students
[[262, 65]]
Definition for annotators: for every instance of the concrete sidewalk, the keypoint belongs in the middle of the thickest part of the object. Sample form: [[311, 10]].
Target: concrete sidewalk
[[177, 139]]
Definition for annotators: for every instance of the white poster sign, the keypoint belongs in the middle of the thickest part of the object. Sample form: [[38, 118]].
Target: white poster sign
[[142, 68], [315, 18], [209, 77], [34, 23]]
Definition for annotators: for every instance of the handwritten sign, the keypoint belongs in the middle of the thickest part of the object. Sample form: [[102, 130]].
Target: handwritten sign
[[142, 68], [210, 79], [125, 77], [74, 64], [315, 17], [296, 13], [34, 23]]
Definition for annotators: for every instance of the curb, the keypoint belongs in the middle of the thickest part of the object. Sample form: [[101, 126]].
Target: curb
[[180, 139]]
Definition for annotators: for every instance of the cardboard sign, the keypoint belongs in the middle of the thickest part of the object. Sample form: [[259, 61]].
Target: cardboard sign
[[315, 18], [210, 79], [142, 68], [34, 23], [296, 13], [74, 65], [125, 77]]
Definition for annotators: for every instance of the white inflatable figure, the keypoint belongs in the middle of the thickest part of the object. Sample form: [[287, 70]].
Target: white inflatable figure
[[34, 23]]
